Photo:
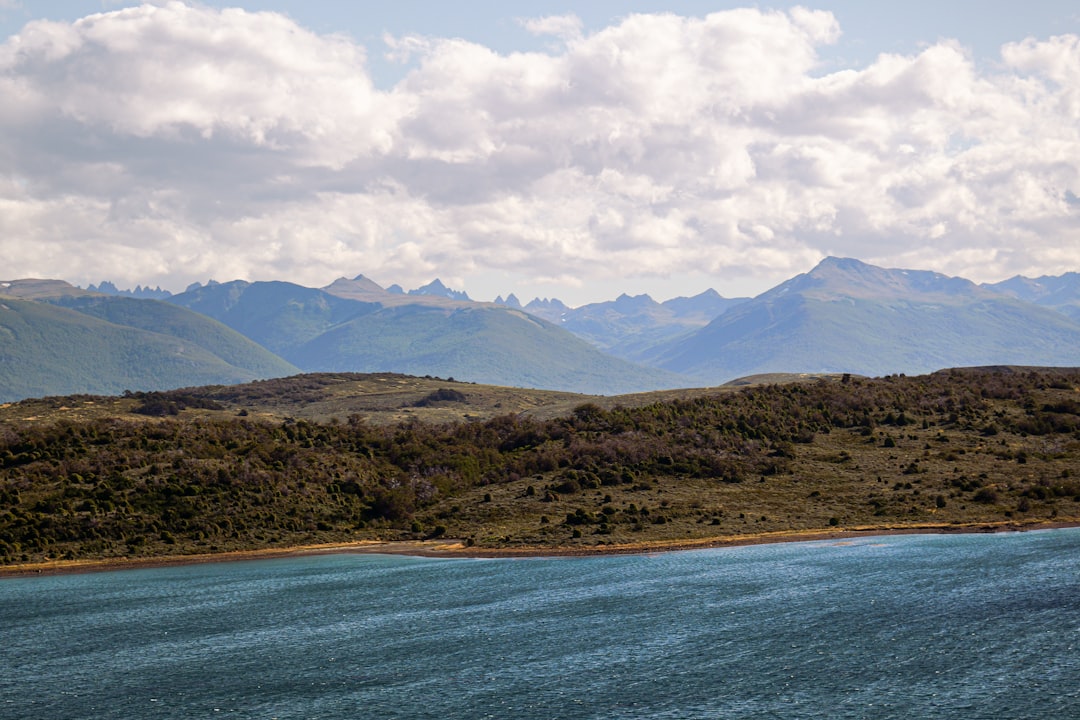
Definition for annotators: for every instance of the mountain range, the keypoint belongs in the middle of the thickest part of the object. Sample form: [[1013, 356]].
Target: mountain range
[[848, 316], [629, 327], [1061, 293], [356, 326], [842, 316]]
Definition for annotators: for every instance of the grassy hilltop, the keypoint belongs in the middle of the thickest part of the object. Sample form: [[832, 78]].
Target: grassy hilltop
[[332, 458]]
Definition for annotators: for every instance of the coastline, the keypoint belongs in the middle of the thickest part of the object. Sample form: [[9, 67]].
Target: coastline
[[458, 549]]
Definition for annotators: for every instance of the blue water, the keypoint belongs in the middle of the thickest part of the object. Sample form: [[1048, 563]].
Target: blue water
[[974, 626]]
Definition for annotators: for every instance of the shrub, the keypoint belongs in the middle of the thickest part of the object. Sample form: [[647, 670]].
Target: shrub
[[441, 395], [568, 486]]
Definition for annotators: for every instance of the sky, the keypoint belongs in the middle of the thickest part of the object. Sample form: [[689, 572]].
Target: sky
[[575, 150]]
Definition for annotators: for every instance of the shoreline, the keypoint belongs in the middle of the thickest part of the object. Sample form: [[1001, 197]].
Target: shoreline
[[458, 549]]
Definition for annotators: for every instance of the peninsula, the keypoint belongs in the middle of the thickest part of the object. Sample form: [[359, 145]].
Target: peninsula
[[344, 462]]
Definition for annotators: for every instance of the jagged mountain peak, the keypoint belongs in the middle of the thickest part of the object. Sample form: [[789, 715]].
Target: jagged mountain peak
[[438, 289], [709, 294], [551, 310], [362, 279], [511, 301], [196, 285], [627, 302], [108, 287], [434, 285], [547, 303], [359, 288]]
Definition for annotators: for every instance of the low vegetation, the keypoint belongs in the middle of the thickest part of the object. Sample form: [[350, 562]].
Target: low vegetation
[[215, 469]]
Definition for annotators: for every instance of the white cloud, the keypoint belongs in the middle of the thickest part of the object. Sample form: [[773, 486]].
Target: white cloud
[[174, 71], [166, 143], [567, 27]]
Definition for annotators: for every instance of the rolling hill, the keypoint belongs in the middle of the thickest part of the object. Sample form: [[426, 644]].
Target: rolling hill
[[177, 322], [280, 316], [48, 349]]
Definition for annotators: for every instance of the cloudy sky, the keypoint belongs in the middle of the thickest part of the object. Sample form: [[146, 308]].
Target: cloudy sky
[[555, 149]]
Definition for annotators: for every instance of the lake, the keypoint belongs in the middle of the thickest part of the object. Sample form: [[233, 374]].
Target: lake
[[914, 626]]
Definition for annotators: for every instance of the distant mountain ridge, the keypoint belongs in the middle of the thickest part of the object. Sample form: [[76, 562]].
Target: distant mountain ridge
[[625, 327], [847, 316], [844, 315], [629, 326], [551, 310], [1061, 293], [146, 293], [331, 330]]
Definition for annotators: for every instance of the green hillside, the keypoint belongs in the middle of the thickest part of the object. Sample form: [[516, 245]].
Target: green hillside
[[50, 350], [167, 319], [321, 332], [279, 316], [479, 343]]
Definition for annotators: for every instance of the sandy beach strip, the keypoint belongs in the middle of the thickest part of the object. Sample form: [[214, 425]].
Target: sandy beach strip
[[448, 548]]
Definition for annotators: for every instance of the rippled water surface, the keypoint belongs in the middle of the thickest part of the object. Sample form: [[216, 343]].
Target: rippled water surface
[[974, 626]]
